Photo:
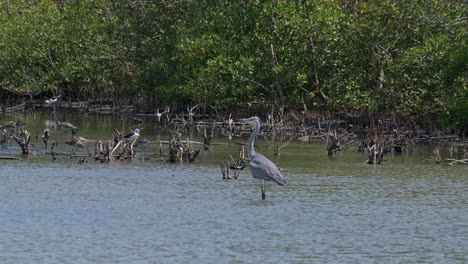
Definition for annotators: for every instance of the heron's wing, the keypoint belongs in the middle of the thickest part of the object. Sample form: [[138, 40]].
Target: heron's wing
[[265, 169], [276, 175]]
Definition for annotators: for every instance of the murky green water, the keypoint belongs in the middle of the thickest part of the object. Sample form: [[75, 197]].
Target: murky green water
[[146, 211]]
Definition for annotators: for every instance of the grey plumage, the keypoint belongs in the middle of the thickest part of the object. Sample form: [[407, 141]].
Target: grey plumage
[[261, 167]]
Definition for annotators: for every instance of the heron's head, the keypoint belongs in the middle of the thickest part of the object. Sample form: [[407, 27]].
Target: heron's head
[[252, 120], [136, 130]]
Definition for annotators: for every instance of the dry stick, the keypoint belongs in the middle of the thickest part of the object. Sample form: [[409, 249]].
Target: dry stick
[[278, 147], [23, 140], [118, 144], [52, 151], [455, 161], [160, 151], [224, 170], [131, 146], [9, 158], [108, 152]]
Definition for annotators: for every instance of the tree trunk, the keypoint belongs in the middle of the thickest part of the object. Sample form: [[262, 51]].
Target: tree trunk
[[279, 88], [315, 78]]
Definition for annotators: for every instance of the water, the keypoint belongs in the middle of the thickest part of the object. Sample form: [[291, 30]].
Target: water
[[146, 211]]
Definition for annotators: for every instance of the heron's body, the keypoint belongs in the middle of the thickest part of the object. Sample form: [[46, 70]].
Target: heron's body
[[264, 169], [261, 167]]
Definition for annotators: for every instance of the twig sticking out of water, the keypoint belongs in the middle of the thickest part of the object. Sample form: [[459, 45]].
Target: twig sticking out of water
[[333, 144], [180, 151], [45, 137], [23, 138], [225, 170], [454, 150], [52, 150], [207, 140], [375, 149], [436, 157], [161, 156], [235, 165]]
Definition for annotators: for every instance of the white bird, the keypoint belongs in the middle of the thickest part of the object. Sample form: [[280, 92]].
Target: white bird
[[261, 167], [53, 100], [132, 135]]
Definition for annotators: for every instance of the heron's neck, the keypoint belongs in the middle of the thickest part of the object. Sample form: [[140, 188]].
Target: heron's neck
[[252, 140]]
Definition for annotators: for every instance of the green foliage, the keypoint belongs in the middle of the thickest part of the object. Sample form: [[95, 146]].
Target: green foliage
[[26, 35], [408, 56], [456, 114]]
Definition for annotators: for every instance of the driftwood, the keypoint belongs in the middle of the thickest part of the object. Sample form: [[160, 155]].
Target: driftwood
[[375, 150], [103, 149], [235, 165], [9, 158], [436, 157], [45, 137], [52, 151], [453, 150], [115, 148], [122, 146], [225, 170], [180, 151], [455, 161], [23, 138], [4, 140], [12, 109], [161, 155], [207, 140], [333, 144]]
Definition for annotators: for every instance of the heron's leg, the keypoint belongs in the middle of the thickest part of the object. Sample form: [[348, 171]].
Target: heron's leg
[[262, 186]]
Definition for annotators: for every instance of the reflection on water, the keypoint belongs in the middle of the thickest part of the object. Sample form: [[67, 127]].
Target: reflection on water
[[146, 211]]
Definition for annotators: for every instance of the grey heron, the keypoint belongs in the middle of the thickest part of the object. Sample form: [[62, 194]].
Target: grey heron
[[261, 167]]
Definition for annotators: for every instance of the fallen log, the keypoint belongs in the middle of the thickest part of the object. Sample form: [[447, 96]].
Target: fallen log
[[9, 158]]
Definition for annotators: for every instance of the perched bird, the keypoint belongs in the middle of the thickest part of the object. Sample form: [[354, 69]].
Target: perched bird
[[132, 135], [53, 100], [261, 167]]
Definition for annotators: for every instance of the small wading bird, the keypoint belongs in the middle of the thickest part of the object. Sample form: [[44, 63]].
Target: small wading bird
[[261, 167], [132, 135]]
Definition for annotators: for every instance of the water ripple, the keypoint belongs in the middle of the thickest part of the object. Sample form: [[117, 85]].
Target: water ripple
[[143, 212]]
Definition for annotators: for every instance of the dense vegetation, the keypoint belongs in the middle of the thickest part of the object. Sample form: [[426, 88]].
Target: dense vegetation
[[408, 57]]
